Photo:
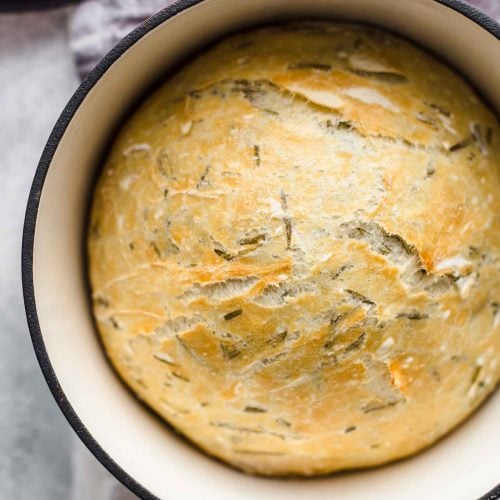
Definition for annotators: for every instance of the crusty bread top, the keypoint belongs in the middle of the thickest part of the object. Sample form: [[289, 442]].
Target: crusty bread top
[[297, 235]]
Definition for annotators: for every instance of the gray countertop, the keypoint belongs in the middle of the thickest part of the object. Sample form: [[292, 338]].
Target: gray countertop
[[40, 457], [36, 79]]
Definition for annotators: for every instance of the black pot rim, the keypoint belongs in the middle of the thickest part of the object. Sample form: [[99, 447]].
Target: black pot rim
[[32, 210]]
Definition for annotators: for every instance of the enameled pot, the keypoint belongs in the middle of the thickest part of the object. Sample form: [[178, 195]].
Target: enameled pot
[[129, 440]]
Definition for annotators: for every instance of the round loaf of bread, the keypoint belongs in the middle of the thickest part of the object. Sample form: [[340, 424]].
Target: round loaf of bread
[[294, 250]]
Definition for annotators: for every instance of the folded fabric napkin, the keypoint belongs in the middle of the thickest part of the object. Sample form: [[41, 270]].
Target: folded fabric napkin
[[98, 25], [95, 27]]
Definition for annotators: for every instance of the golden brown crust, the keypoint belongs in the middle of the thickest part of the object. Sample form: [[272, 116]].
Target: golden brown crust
[[294, 250]]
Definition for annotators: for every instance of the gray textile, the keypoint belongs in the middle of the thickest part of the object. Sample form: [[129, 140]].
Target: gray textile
[[97, 25], [37, 77]]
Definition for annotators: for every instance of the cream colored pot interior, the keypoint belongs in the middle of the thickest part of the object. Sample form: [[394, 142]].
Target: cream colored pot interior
[[462, 466]]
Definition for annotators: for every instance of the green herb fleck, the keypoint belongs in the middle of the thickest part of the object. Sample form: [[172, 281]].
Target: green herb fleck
[[203, 176], [252, 240], [475, 375], [224, 254], [233, 314], [424, 118], [272, 359], [329, 125], [382, 76], [475, 129], [377, 406], [338, 318], [232, 427], [278, 337], [102, 302], [329, 344], [256, 154], [439, 109], [180, 377], [288, 229], [356, 344], [115, 323], [287, 220], [283, 422], [344, 125], [311, 65], [160, 356], [254, 409], [360, 297], [164, 164], [460, 145], [140, 382], [413, 315], [362, 231], [154, 246], [340, 270]]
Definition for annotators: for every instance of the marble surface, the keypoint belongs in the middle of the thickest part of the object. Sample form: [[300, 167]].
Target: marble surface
[[40, 457], [36, 79]]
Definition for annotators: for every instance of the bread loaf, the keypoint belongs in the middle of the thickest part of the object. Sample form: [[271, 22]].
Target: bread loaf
[[294, 249]]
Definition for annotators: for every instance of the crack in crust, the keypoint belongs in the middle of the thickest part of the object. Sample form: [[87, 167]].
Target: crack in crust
[[282, 104], [404, 255]]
